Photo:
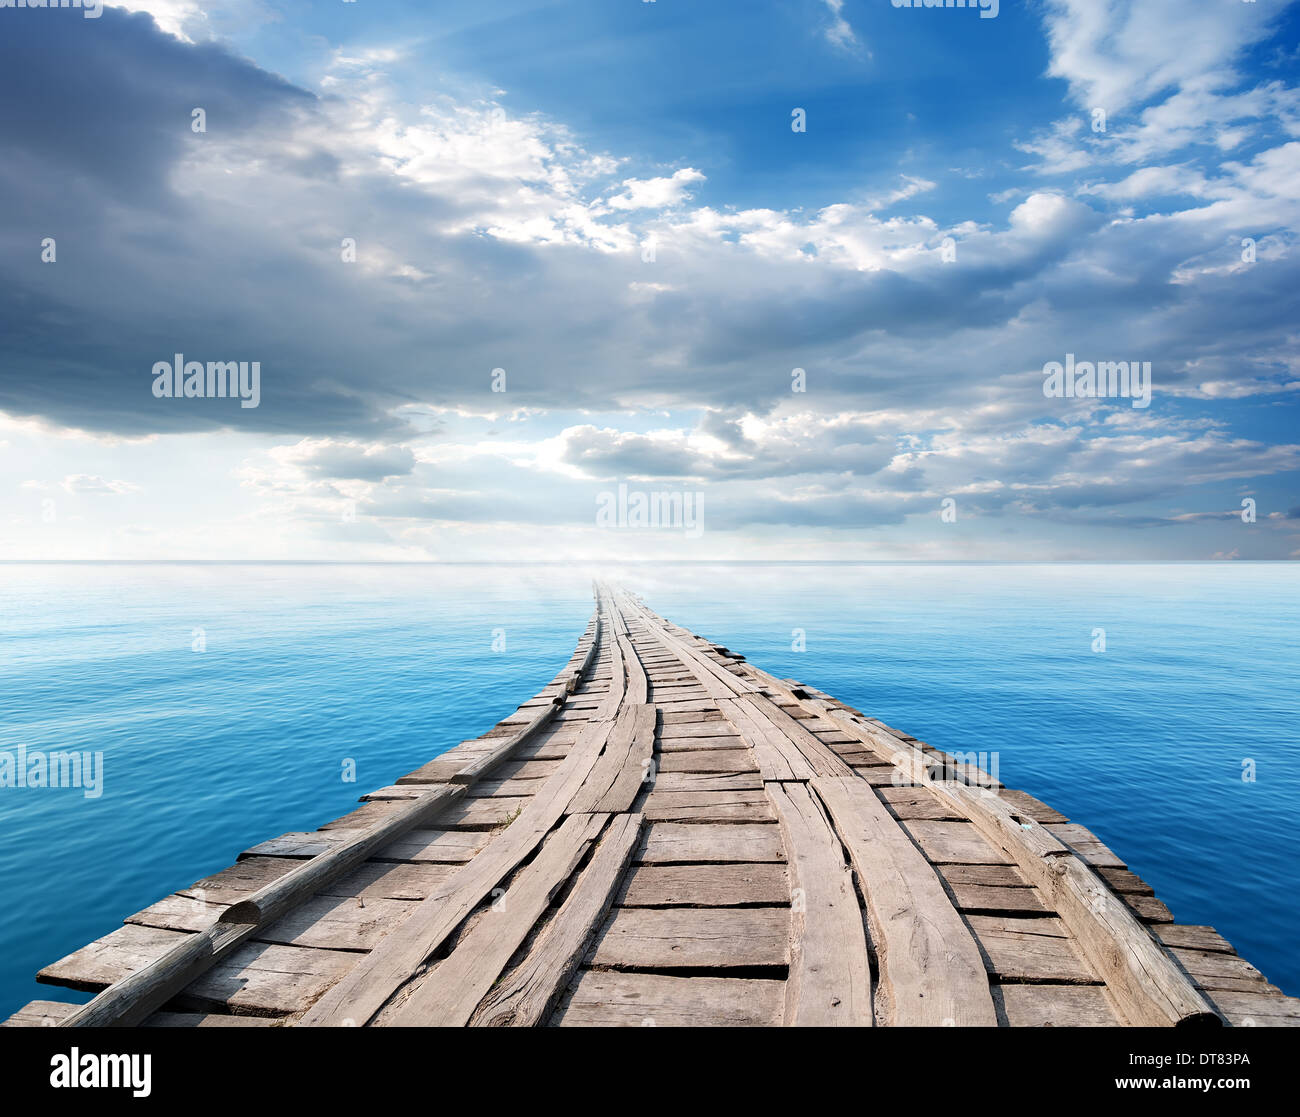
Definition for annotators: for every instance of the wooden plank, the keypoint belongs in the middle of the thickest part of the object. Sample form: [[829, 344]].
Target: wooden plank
[[536, 722], [448, 994], [957, 842], [1055, 1006], [711, 760], [483, 814], [707, 781], [640, 999], [775, 757], [1085, 843], [1030, 950], [1029, 806], [39, 1014], [708, 806], [829, 983], [675, 730], [708, 885], [638, 684], [623, 768], [1149, 909], [989, 876], [1215, 970], [694, 938], [981, 898], [677, 716], [1255, 1010], [527, 995], [259, 978], [703, 744], [931, 971], [1193, 938], [820, 758], [1124, 881], [686, 842], [909, 803]]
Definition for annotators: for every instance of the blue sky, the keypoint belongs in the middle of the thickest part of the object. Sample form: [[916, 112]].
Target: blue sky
[[951, 220]]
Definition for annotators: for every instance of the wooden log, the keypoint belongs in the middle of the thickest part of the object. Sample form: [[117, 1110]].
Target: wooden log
[[485, 763], [280, 895], [130, 1000]]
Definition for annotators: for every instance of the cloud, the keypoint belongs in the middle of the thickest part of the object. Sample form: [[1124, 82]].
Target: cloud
[[1114, 53], [656, 193], [349, 461], [489, 239], [81, 484], [840, 33]]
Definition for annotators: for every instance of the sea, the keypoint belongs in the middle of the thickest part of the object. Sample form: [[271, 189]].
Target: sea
[[221, 704]]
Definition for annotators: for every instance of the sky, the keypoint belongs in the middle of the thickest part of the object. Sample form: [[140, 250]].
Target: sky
[[495, 260]]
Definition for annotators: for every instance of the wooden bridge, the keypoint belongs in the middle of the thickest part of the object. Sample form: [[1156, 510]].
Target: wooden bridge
[[668, 835]]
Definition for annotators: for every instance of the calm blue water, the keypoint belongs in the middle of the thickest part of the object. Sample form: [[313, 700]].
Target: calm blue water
[[305, 667]]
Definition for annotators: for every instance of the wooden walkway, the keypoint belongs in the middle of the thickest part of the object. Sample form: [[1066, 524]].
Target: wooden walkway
[[668, 835]]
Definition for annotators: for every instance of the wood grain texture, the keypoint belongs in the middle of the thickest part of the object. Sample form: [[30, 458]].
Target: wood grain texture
[[931, 971], [830, 974]]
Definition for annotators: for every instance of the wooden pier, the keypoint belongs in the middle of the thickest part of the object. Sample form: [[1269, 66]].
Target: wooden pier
[[669, 835]]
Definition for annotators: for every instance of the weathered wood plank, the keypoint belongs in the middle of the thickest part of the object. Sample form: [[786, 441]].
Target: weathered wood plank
[[639, 999], [527, 995], [931, 972], [1255, 1010], [258, 978], [694, 729], [448, 994], [710, 760], [327, 922], [982, 898], [1193, 938], [623, 768], [1055, 1006], [708, 806], [829, 983], [1031, 950], [707, 885], [693, 938], [686, 842], [954, 842], [707, 781]]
